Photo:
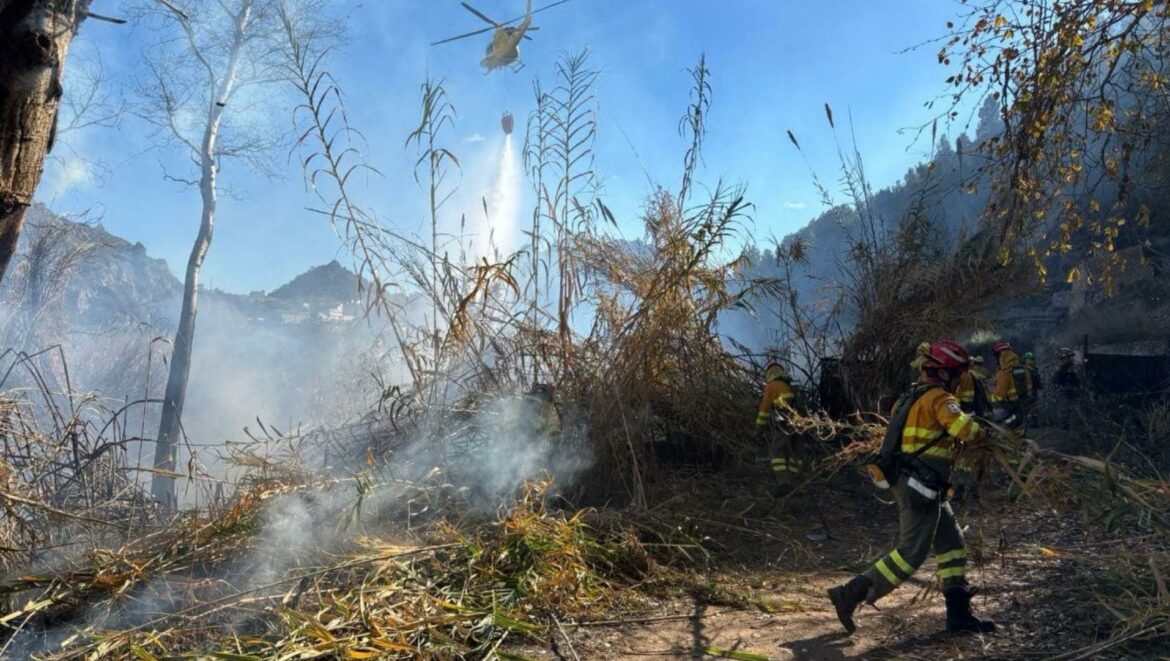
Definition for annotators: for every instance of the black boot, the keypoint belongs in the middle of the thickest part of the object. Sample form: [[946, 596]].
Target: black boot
[[846, 598], [959, 617]]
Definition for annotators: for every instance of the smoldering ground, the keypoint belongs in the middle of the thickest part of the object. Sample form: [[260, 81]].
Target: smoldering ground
[[469, 462]]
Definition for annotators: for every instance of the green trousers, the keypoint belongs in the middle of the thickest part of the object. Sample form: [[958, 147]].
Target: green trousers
[[785, 458], [924, 525]]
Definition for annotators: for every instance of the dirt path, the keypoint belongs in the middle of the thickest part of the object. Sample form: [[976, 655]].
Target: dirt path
[[1022, 560], [806, 629], [802, 624]]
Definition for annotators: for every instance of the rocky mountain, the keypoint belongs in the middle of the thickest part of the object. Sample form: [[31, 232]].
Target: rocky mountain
[[84, 274], [328, 282], [950, 192], [83, 278], [297, 355]]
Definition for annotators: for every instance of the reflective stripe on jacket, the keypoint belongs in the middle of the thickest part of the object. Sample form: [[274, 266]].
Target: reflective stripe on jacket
[[776, 394], [937, 415]]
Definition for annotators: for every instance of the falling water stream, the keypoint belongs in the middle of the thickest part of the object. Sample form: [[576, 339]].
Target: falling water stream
[[500, 233]]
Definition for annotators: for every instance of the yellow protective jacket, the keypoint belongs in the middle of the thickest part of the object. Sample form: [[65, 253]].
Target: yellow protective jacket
[[1005, 383], [776, 394], [966, 391], [937, 415]]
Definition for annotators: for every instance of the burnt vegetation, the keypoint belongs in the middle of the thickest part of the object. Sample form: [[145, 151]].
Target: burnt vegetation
[[427, 525]]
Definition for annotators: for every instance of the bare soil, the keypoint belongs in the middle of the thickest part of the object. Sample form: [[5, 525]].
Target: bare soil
[[762, 589]]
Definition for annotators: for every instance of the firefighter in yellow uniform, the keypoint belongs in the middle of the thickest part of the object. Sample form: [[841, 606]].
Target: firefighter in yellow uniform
[[972, 396], [972, 392], [775, 442], [1006, 396], [966, 392], [934, 428], [977, 370]]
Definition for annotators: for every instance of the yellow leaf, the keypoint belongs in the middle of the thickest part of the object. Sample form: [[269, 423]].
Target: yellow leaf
[[1000, 21], [142, 654], [1048, 553]]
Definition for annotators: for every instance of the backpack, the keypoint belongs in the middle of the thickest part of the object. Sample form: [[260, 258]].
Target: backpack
[[886, 466]]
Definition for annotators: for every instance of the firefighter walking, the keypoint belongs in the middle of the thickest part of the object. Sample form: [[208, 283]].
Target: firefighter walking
[[776, 444], [1011, 386], [934, 426]]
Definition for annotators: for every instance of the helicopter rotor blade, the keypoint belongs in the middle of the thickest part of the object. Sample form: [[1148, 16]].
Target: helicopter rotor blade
[[479, 14], [462, 36], [548, 6]]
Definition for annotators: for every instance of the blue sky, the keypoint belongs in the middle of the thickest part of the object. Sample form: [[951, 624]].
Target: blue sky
[[774, 64]]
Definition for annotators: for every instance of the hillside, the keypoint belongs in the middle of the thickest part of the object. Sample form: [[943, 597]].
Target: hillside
[[330, 282], [950, 192], [102, 280], [592, 401], [111, 307], [98, 281]]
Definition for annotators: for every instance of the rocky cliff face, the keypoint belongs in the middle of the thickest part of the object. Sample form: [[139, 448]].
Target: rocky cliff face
[[88, 278], [113, 308]]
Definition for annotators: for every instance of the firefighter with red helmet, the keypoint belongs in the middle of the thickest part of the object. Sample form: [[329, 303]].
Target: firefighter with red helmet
[[933, 428], [775, 442]]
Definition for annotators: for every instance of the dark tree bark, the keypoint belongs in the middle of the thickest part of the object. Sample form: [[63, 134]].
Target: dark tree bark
[[34, 40]]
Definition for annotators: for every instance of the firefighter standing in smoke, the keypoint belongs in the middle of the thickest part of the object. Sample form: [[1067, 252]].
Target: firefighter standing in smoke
[[1035, 385], [775, 443], [972, 393], [540, 419], [1068, 383], [1010, 386], [924, 436]]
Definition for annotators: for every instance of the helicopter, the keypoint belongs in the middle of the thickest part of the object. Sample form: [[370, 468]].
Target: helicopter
[[504, 49]]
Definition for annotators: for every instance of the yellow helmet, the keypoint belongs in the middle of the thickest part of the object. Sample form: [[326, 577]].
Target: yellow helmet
[[775, 371], [920, 355]]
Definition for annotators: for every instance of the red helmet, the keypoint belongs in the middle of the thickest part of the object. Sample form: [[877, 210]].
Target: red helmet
[[947, 354], [1001, 346]]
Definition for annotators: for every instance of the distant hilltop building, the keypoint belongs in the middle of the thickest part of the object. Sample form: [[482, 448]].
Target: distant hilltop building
[[335, 315], [294, 318]]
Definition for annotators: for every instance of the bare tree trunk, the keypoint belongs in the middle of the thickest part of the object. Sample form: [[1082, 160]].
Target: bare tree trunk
[[162, 485], [34, 40]]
